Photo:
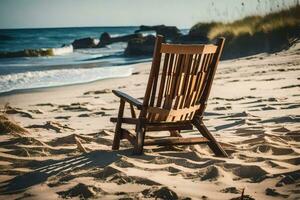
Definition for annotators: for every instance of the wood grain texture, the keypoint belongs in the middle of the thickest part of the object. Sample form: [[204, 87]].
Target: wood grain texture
[[176, 95]]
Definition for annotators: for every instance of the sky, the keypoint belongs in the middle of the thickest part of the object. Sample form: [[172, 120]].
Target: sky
[[78, 13]]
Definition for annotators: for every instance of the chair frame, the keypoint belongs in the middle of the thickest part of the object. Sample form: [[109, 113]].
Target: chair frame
[[181, 119]]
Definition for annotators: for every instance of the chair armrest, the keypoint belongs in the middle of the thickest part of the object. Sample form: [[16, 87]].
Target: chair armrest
[[128, 99]]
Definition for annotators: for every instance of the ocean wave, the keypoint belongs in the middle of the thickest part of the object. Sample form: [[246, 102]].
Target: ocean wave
[[62, 50], [38, 52], [50, 78]]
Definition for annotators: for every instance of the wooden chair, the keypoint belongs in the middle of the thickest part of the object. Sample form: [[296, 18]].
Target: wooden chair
[[179, 84]]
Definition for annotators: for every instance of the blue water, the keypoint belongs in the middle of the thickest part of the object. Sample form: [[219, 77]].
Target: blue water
[[54, 37], [78, 66]]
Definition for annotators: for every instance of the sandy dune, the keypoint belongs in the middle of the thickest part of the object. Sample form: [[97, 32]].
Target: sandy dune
[[65, 151]]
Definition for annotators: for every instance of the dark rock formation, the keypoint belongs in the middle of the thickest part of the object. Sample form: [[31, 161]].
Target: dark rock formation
[[188, 39], [106, 39], [85, 43], [196, 35], [140, 46], [169, 32]]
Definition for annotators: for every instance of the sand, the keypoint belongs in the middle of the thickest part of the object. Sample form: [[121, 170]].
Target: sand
[[64, 147]]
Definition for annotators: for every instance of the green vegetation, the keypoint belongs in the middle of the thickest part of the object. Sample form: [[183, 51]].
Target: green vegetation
[[27, 53], [254, 34]]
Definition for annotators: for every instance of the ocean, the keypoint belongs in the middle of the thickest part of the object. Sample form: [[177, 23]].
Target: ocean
[[67, 66]]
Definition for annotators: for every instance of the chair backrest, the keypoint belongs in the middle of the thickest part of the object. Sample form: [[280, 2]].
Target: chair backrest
[[180, 80]]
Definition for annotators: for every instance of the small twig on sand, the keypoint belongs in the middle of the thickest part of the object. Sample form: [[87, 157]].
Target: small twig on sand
[[242, 196]]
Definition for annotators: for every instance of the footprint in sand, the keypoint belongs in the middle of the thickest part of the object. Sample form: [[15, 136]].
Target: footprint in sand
[[45, 104], [274, 193], [11, 110], [81, 190], [282, 120], [160, 193], [104, 91], [75, 108], [236, 123], [49, 125], [62, 117], [232, 190], [290, 86]]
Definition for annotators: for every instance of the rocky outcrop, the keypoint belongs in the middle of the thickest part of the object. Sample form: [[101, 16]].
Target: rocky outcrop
[[188, 39], [85, 43], [169, 32], [140, 46], [196, 35], [106, 39]]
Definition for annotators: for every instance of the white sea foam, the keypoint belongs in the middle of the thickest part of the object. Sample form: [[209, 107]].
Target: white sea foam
[[38, 79], [146, 33], [62, 50]]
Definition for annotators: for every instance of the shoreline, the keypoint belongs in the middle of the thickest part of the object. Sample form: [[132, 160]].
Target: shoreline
[[6, 96], [41, 89]]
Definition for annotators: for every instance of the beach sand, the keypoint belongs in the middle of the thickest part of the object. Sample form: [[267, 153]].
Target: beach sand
[[253, 111]]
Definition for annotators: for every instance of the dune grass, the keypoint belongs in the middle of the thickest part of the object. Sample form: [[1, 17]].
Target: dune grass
[[267, 33], [250, 25], [8, 126]]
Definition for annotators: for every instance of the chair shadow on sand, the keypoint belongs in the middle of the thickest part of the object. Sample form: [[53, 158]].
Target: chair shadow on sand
[[50, 168]]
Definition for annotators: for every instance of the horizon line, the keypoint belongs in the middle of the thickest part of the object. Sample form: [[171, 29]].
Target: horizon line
[[62, 27]]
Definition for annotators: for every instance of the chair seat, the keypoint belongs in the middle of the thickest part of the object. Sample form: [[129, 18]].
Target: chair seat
[[157, 126]]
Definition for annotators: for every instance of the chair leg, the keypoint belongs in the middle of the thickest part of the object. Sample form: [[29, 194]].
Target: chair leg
[[118, 130], [133, 115], [140, 136], [213, 144]]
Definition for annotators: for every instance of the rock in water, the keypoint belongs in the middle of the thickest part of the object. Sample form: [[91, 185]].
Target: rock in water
[[106, 39], [169, 32], [85, 43], [140, 46]]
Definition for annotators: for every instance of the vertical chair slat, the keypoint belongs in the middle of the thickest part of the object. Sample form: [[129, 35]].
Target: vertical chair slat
[[155, 65], [198, 59], [174, 81], [170, 74], [162, 81], [173, 62], [207, 69], [200, 75], [187, 82], [179, 82]]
